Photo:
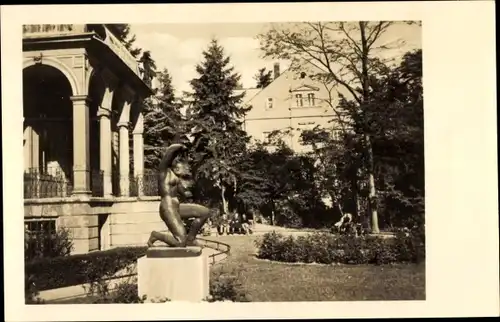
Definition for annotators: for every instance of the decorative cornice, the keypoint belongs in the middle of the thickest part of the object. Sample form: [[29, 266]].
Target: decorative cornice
[[304, 87]]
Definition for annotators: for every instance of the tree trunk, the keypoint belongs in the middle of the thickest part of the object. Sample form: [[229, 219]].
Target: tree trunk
[[336, 202], [372, 196], [272, 213], [225, 207]]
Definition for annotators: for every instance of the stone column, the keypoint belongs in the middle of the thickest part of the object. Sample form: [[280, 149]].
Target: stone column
[[138, 141], [124, 159], [81, 146], [105, 150], [106, 134], [124, 152]]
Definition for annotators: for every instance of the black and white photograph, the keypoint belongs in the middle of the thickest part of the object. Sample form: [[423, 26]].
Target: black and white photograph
[[224, 162]]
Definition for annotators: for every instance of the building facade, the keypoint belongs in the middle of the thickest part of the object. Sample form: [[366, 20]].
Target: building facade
[[83, 135], [291, 101]]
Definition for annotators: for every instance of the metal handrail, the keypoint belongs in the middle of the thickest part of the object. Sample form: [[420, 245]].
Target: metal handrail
[[218, 248]]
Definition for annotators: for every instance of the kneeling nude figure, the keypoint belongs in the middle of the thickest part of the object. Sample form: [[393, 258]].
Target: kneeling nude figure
[[175, 179]]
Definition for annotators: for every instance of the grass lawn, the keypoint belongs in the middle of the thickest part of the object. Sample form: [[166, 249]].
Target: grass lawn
[[267, 281], [272, 281]]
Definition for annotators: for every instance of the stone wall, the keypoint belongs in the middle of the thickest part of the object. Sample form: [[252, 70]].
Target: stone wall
[[130, 222], [100, 223]]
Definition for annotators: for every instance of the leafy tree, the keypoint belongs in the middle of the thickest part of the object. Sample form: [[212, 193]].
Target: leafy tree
[[399, 139], [215, 115], [163, 121], [280, 183], [263, 78], [347, 57], [336, 162]]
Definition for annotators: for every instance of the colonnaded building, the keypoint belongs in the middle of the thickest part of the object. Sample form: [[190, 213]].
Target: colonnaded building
[[83, 137]]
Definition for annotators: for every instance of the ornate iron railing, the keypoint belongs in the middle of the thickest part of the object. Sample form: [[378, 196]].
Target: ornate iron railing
[[97, 183], [47, 183], [52, 29], [56, 183], [145, 184]]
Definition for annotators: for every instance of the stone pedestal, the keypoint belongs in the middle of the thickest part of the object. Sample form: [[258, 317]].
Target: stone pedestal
[[178, 274]]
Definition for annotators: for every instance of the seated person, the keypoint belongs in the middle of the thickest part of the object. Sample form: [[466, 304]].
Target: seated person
[[223, 225], [207, 227], [245, 225], [344, 222], [235, 225]]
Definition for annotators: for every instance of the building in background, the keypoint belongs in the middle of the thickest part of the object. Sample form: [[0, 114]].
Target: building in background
[[291, 101]]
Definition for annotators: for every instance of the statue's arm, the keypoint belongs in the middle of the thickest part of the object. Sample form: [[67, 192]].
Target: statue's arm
[[169, 156]]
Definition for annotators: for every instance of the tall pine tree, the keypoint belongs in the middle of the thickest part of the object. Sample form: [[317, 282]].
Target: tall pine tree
[[163, 121], [148, 68], [216, 113]]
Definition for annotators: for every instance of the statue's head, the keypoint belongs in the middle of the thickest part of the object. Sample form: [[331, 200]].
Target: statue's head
[[183, 172]]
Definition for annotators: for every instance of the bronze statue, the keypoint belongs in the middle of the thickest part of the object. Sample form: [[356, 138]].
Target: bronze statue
[[175, 179]]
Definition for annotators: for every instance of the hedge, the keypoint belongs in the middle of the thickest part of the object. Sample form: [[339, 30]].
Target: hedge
[[326, 248], [50, 273]]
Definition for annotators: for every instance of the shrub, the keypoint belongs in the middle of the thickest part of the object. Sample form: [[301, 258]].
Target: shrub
[[50, 273], [348, 249], [43, 244], [271, 246], [124, 292], [382, 252], [31, 294], [223, 287], [226, 287]]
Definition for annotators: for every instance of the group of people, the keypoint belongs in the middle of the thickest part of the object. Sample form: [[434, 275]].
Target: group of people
[[230, 225], [234, 224]]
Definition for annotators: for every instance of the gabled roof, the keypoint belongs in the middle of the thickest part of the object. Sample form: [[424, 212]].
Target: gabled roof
[[250, 93]]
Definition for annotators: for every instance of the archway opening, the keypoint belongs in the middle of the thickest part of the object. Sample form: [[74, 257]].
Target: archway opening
[[48, 131]]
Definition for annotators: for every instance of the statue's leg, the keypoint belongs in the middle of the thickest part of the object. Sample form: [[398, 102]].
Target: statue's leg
[[171, 217], [201, 215]]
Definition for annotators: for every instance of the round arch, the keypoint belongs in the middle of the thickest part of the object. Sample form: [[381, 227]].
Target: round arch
[[48, 128], [75, 88]]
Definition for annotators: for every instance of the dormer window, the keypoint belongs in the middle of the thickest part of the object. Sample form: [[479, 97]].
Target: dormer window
[[311, 99], [269, 103], [298, 100]]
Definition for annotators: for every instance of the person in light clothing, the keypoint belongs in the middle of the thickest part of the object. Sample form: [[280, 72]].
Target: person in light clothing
[[344, 222]]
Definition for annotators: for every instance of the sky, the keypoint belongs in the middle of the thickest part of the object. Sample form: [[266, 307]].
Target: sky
[[179, 47]]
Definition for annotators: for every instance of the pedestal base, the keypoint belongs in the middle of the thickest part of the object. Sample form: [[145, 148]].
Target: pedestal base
[[177, 274]]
